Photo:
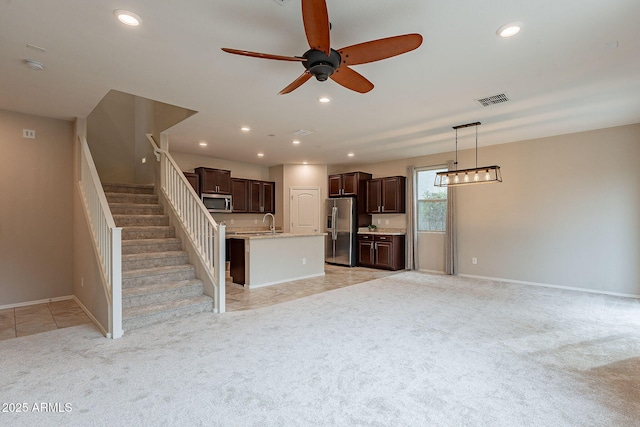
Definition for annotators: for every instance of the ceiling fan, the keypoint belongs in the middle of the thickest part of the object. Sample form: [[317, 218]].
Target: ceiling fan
[[323, 62]]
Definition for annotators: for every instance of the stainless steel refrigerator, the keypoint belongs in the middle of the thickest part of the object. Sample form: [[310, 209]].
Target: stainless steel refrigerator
[[342, 228]]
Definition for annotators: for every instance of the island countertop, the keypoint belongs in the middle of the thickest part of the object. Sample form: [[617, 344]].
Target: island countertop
[[250, 235], [262, 259]]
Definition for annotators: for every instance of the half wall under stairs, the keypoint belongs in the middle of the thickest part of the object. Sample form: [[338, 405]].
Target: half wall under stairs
[[158, 282]]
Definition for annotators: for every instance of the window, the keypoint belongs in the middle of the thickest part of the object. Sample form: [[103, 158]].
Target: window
[[431, 201]]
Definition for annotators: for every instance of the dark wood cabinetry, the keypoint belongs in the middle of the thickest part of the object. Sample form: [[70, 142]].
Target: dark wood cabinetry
[[386, 195], [352, 184], [214, 180], [194, 180], [348, 184], [262, 196], [383, 251], [236, 263], [240, 195]]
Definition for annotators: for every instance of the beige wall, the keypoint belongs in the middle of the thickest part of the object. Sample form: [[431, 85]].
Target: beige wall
[[302, 176], [188, 162], [111, 137], [36, 209], [567, 213], [116, 134]]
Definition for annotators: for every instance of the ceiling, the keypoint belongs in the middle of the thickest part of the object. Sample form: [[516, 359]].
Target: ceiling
[[575, 66]]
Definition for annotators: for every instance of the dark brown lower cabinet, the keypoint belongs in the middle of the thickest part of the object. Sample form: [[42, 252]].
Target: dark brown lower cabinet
[[236, 259], [385, 251]]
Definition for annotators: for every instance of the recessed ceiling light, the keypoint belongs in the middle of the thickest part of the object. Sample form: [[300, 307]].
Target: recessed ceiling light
[[295, 142], [324, 99], [245, 128], [260, 154], [127, 17], [350, 154], [509, 30], [202, 144], [305, 163], [34, 65]]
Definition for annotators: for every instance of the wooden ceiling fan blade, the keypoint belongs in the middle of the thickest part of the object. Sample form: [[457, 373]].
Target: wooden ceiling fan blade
[[296, 83], [376, 50], [351, 79], [263, 55], [316, 25]]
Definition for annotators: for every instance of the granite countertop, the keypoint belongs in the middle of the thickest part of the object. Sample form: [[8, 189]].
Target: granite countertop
[[247, 234], [388, 231]]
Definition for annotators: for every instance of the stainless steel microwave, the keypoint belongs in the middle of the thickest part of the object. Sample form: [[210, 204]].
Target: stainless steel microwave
[[217, 203]]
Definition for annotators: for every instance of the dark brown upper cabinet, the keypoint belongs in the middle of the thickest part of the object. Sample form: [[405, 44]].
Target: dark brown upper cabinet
[[348, 184], [386, 195], [214, 180], [240, 195], [194, 180], [262, 196]]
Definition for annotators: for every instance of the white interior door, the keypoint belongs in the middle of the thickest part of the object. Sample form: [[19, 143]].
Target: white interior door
[[305, 210]]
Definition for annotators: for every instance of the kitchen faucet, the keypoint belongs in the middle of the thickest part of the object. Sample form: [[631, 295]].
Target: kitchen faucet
[[273, 221]]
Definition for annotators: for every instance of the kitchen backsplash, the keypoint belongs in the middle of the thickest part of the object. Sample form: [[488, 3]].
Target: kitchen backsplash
[[390, 221]]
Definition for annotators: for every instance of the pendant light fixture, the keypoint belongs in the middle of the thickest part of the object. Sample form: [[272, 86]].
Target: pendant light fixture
[[477, 175]]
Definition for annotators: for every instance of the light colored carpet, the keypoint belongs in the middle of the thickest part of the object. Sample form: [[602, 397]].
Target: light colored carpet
[[412, 349]]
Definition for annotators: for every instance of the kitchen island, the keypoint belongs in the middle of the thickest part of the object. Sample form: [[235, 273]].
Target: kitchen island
[[263, 259]]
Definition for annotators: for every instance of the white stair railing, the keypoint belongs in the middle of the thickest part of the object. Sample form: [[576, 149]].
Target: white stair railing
[[205, 234], [107, 238]]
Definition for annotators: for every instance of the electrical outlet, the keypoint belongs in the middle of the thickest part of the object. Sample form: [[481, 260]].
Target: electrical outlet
[[386, 222], [255, 221], [474, 260], [379, 221], [304, 261], [231, 221], [29, 133], [144, 160]]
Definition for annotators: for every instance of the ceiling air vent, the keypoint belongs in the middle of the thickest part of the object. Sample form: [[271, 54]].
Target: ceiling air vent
[[302, 132], [492, 100]]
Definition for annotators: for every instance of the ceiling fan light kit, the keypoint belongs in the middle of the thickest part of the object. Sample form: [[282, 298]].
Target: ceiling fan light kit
[[477, 175], [324, 63]]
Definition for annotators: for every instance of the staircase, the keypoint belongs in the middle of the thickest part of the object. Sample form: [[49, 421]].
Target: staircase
[[158, 282]]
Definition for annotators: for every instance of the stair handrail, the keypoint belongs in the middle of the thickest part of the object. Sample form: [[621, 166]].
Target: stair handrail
[[107, 238], [206, 235]]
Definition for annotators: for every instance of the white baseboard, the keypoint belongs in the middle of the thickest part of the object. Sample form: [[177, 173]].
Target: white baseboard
[[92, 318], [546, 285], [260, 285], [40, 301], [431, 271]]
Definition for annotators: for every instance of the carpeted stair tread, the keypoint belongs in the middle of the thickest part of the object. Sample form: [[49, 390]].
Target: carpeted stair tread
[[156, 271], [159, 287], [128, 188], [141, 260], [136, 209], [140, 316], [147, 232], [124, 220], [161, 293], [135, 246], [140, 199], [165, 254]]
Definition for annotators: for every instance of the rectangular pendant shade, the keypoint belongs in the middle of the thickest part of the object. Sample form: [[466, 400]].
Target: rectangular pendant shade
[[480, 175]]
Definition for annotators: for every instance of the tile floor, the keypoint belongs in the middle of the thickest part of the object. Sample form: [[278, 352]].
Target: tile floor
[[33, 319], [240, 298]]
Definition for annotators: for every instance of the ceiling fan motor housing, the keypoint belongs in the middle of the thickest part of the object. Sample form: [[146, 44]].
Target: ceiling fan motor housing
[[321, 65]]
